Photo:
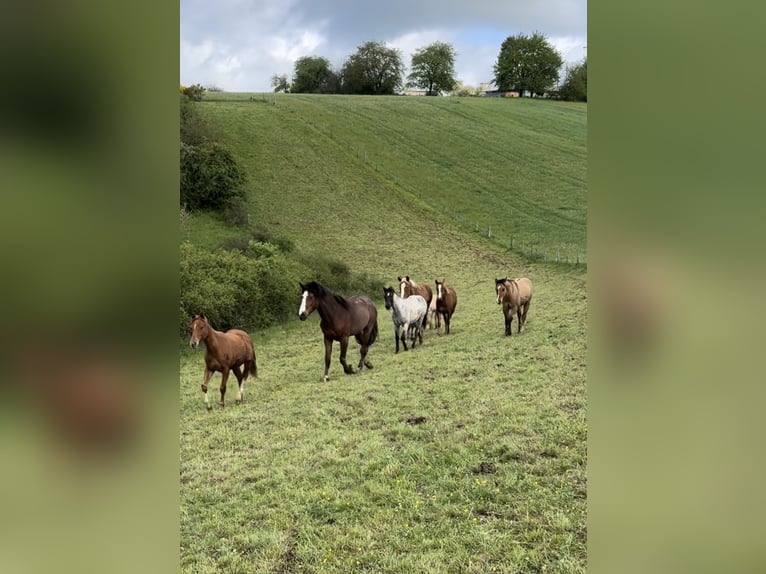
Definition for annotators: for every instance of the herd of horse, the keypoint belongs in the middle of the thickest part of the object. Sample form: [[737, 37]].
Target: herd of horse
[[413, 309]]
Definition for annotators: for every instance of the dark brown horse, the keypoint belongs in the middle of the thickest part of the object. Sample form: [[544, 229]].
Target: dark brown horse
[[446, 301], [515, 295], [224, 352], [340, 319], [408, 287]]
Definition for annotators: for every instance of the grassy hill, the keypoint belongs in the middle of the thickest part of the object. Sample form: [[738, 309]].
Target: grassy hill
[[466, 454], [517, 168]]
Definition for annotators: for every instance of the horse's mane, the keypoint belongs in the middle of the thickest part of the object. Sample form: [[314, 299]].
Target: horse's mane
[[321, 291]]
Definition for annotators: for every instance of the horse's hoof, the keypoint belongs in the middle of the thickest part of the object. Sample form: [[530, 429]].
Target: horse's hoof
[[209, 407], [368, 364]]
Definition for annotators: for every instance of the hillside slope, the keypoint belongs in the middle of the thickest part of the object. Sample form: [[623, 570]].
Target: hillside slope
[[466, 454]]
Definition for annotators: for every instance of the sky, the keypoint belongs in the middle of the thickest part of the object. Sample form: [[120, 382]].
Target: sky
[[238, 45]]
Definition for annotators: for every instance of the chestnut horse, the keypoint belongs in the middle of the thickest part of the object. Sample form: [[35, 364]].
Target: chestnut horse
[[224, 352], [408, 287], [446, 301], [515, 295], [341, 318]]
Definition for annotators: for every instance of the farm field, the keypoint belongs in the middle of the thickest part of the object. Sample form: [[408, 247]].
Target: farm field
[[467, 454]]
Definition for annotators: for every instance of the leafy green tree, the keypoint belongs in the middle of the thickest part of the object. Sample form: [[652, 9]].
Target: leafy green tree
[[527, 63], [575, 87], [313, 75], [280, 83], [433, 68], [373, 69]]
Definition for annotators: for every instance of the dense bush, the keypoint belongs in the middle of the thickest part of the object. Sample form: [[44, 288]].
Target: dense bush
[[237, 290], [337, 276], [193, 92], [194, 130], [210, 176]]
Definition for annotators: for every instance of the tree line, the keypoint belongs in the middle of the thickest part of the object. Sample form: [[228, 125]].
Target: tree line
[[528, 65]]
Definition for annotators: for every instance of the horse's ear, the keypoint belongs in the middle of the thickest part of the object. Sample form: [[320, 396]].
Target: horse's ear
[[302, 287], [399, 279], [407, 277]]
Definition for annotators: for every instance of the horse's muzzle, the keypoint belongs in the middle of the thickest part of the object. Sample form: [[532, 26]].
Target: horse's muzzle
[[302, 316], [194, 344]]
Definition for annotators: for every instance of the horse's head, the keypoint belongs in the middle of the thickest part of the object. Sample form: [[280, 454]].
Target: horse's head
[[388, 296], [405, 286], [308, 301], [199, 330], [500, 289], [439, 289]]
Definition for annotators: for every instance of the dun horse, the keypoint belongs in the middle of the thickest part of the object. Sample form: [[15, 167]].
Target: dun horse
[[406, 314], [408, 287], [446, 301], [224, 352], [340, 319], [515, 295]]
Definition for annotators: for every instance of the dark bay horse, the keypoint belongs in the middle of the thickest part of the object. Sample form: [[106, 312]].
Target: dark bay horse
[[515, 295], [407, 315], [340, 319], [446, 301], [408, 287], [224, 352]]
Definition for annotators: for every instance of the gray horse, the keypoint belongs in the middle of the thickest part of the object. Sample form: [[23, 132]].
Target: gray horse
[[408, 313]]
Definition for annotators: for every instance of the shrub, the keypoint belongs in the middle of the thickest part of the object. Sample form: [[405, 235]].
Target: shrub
[[194, 130], [193, 92], [234, 289], [210, 176]]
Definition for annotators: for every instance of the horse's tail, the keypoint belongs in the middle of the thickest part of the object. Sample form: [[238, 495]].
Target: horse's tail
[[374, 334], [251, 367]]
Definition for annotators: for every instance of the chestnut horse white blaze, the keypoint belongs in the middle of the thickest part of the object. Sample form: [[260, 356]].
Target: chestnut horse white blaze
[[446, 301], [224, 352]]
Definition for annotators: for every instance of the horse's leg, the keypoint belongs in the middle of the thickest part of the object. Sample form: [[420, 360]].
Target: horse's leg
[[224, 378], [241, 382], [405, 332], [327, 355], [208, 374], [396, 337], [343, 348], [363, 348], [446, 323], [524, 315], [366, 347]]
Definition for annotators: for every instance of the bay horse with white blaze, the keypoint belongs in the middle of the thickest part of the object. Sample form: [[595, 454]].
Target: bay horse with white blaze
[[515, 295], [407, 315], [340, 319], [446, 301], [224, 352], [408, 287]]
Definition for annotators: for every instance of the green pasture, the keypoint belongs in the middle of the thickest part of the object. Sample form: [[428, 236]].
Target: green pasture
[[467, 454], [512, 168]]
